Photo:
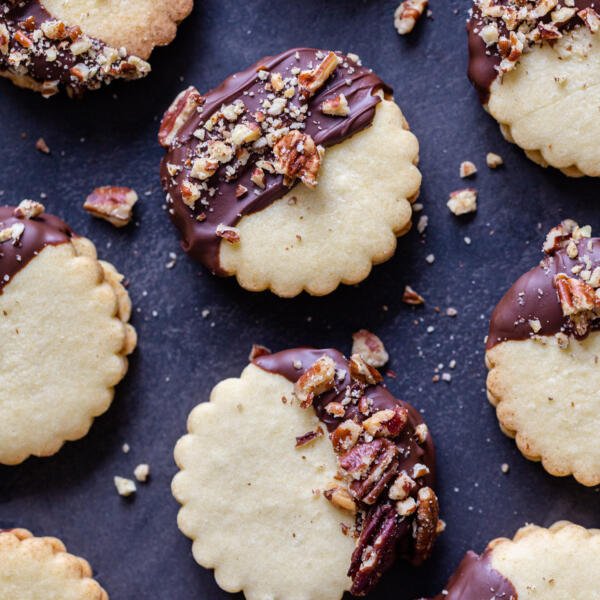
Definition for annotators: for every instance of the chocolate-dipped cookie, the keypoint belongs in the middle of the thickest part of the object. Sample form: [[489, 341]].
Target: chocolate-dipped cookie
[[554, 564], [295, 174], [534, 62], [543, 352], [326, 477], [48, 45], [64, 325]]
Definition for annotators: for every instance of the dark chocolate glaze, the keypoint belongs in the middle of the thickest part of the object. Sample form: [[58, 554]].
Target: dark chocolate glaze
[[476, 579], [410, 452], [199, 240], [13, 14], [484, 60], [534, 296], [42, 231]]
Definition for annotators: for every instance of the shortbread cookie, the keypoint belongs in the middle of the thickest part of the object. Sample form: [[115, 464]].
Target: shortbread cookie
[[533, 63], [280, 509], [64, 331], [559, 563], [47, 45], [543, 353], [296, 174], [33, 568]]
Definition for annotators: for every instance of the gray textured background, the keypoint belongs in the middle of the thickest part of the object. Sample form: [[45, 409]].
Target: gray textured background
[[110, 138]]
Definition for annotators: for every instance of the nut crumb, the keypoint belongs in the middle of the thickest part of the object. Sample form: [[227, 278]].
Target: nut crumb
[[467, 169], [493, 160], [463, 201], [113, 204], [505, 468], [142, 472], [42, 147], [407, 14], [370, 347], [412, 297], [125, 487]]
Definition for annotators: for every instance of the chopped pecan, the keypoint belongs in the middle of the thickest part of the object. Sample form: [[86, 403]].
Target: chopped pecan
[[370, 347], [375, 550], [317, 380], [339, 496], [578, 302], [426, 524], [336, 107], [184, 106], [463, 201], [559, 236], [335, 409], [363, 372], [372, 465], [407, 14], [298, 157], [29, 209], [42, 147], [311, 81], [346, 435], [113, 204], [412, 297], [591, 18], [309, 437], [229, 234], [402, 487], [257, 351], [387, 423]]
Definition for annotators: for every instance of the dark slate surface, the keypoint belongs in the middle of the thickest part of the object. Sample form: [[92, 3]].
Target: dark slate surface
[[109, 138]]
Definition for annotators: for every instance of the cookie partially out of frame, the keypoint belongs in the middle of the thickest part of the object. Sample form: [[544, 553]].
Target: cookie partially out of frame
[[543, 352], [557, 563], [65, 334], [39, 568], [536, 66], [295, 174], [305, 478], [47, 45]]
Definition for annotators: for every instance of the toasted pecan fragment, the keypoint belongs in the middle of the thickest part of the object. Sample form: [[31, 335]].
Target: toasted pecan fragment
[[298, 157], [309, 437], [426, 521], [184, 106], [578, 301], [387, 423], [361, 371], [412, 297], [345, 436], [230, 234], [29, 209], [370, 347], [113, 204], [317, 380], [559, 236], [42, 146], [407, 14], [339, 496], [336, 107], [310, 82]]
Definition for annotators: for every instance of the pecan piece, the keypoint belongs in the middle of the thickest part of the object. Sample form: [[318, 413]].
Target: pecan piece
[[375, 550], [372, 466], [229, 234], [336, 107], [184, 106], [311, 81], [29, 209], [559, 236], [407, 14], [340, 496], [591, 18], [317, 380], [578, 302], [345, 435], [298, 157], [370, 347], [257, 351], [363, 372], [426, 524], [113, 204], [387, 423], [412, 297], [309, 437]]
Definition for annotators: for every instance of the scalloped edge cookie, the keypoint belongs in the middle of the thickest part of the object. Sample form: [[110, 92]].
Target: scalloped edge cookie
[[39, 568]]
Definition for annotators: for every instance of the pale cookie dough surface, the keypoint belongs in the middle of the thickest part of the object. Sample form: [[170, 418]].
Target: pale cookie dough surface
[[548, 105], [247, 494], [549, 399], [40, 569], [65, 337], [138, 25], [560, 563], [345, 226]]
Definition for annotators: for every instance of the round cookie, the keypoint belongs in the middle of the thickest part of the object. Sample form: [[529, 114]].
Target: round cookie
[[33, 568], [295, 174], [532, 64], [46, 45], [556, 563], [64, 325], [543, 352], [308, 515]]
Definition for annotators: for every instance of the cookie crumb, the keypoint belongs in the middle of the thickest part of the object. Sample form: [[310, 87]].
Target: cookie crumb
[[463, 201], [467, 169], [125, 487], [493, 160], [142, 472], [42, 147]]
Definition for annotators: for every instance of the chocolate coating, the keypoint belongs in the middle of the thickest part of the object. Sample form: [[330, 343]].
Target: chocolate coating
[[199, 239], [534, 296], [42, 231], [25, 15], [399, 531], [484, 60], [476, 579]]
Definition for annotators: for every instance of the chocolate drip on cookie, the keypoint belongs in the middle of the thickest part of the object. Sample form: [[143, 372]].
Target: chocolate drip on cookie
[[558, 297], [245, 144], [22, 238], [499, 31], [385, 453], [39, 51], [476, 579]]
